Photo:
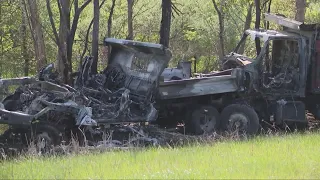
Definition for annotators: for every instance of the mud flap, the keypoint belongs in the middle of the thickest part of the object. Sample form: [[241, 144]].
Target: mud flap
[[290, 111]]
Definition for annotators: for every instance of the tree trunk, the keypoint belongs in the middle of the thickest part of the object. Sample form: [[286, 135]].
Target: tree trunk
[[110, 17], [165, 22], [130, 13], [24, 53], [246, 26], [221, 30], [95, 36], [65, 41], [257, 25], [63, 35], [110, 26], [1, 40], [87, 34], [300, 10], [37, 33], [269, 10]]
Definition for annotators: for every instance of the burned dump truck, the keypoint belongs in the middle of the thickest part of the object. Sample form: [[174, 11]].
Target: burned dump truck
[[276, 87], [42, 108]]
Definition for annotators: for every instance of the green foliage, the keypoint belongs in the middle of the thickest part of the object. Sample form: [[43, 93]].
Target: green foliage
[[194, 32], [10, 23], [313, 12]]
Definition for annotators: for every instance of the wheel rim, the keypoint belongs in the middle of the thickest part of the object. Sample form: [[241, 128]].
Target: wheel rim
[[238, 122], [207, 120]]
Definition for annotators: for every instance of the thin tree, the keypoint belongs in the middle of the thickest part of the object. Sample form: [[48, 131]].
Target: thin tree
[[64, 26], [130, 19], [257, 25], [95, 36], [268, 11], [37, 34], [246, 25], [110, 24], [220, 12], [300, 10], [110, 18], [65, 39], [87, 34], [165, 22], [24, 42]]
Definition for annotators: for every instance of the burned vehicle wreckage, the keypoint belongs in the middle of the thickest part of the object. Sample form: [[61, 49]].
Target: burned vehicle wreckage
[[276, 86], [43, 107]]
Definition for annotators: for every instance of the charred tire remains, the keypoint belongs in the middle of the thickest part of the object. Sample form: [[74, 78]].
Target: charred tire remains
[[204, 119], [240, 118], [45, 137]]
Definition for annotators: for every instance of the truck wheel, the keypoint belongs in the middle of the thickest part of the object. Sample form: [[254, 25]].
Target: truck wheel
[[11, 103], [203, 120], [241, 118], [45, 137]]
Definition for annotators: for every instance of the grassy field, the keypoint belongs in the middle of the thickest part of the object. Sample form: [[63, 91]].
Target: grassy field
[[292, 156]]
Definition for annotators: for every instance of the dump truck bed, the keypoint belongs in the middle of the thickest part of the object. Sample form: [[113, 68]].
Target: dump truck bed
[[198, 86]]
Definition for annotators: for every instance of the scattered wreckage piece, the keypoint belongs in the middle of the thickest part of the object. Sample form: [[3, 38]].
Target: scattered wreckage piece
[[182, 71], [42, 111], [34, 99]]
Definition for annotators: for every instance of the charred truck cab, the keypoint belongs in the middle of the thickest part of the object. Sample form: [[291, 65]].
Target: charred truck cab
[[277, 85], [276, 77]]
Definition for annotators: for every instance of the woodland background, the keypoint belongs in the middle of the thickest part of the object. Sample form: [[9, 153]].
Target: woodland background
[[34, 33]]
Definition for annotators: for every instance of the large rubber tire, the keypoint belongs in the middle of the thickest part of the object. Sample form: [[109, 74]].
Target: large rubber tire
[[45, 136], [11, 103], [241, 118], [205, 119]]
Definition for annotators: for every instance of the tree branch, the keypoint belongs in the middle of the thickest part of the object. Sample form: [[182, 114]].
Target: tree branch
[[59, 6], [76, 16], [175, 9], [76, 5], [84, 5], [54, 30], [110, 18], [71, 6], [221, 31], [87, 34], [86, 41], [216, 7]]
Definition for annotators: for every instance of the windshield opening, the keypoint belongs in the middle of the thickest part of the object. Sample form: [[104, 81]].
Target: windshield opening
[[280, 65]]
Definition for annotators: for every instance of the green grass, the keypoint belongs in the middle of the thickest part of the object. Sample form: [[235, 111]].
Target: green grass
[[3, 128], [292, 156]]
